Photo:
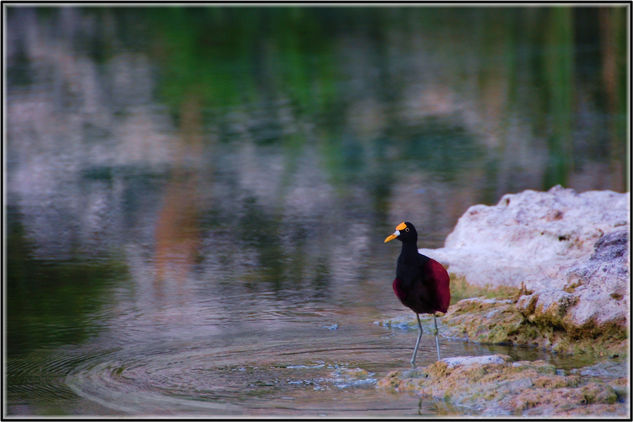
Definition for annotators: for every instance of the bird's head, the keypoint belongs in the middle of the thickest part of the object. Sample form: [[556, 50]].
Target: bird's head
[[404, 232]]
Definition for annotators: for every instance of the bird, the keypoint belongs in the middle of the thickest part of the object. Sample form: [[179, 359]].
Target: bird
[[422, 284]]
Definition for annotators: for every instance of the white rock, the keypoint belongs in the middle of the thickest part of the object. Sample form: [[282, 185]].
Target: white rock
[[475, 360], [571, 249], [603, 293]]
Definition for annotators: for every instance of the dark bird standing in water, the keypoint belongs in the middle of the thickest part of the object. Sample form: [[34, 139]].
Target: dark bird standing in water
[[421, 283]]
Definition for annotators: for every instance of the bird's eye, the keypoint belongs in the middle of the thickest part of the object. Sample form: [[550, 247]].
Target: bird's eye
[[406, 230]]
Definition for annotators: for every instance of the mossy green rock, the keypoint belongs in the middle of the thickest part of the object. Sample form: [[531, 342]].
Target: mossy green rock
[[512, 321], [484, 320]]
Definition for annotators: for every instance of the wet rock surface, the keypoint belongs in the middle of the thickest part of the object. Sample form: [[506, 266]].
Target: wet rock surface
[[494, 385]]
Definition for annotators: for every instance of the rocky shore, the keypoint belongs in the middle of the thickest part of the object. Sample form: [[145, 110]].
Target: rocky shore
[[494, 386], [550, 270], [567, 252]]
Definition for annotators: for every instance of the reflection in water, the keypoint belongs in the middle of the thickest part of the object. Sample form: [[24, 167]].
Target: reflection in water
[[197, 196], [611, 25], [559, 84], [177, 234]]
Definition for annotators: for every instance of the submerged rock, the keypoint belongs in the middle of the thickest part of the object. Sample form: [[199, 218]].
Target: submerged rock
[[493, 385], [567, 251]]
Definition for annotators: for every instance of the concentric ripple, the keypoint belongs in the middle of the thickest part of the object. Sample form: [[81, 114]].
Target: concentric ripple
[[202, 379]]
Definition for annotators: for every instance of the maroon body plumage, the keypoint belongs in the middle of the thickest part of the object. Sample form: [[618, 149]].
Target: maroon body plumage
[[422, 284], [429, 294]]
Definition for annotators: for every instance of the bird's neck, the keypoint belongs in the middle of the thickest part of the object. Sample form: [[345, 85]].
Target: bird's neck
[[409, 251]]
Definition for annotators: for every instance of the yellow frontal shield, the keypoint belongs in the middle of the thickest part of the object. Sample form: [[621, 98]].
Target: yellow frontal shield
[[395, 234]]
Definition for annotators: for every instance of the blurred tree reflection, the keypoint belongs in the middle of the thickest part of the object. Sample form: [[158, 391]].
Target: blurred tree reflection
[[263, 55], [36, 317], [558, 76]]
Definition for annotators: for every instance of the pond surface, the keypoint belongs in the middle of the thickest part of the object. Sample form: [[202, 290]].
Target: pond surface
[[196, 198]]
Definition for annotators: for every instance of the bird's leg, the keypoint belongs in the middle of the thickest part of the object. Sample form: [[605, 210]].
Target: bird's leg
[[437, 342], [417, 343]]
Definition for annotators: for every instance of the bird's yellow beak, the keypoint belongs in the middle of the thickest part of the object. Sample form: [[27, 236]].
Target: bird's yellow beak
[[395, 234], [392, 236]]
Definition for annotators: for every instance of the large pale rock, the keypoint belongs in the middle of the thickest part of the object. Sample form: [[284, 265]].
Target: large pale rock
[[601, 283], [571, 250]]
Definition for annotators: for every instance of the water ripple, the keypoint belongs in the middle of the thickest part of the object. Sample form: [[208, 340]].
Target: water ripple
[[201, 379]]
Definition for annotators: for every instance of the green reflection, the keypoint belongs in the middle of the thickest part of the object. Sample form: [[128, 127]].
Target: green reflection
[[51, 303], [241, 56], [558, 77], [438, 145], [237, 56], [261, 231]]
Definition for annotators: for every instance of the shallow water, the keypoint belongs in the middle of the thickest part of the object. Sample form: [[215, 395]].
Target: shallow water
[[185, 357], [195, 221]]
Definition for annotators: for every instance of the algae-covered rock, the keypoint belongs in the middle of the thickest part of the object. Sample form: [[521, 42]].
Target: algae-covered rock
[[596, 399], [493, 385], [511, 321], [483, 320]]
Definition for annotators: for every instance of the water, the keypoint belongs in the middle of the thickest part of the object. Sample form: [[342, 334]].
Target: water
[[197, 198]]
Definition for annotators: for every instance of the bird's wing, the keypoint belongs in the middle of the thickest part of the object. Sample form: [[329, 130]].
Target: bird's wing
[[440, 282]]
